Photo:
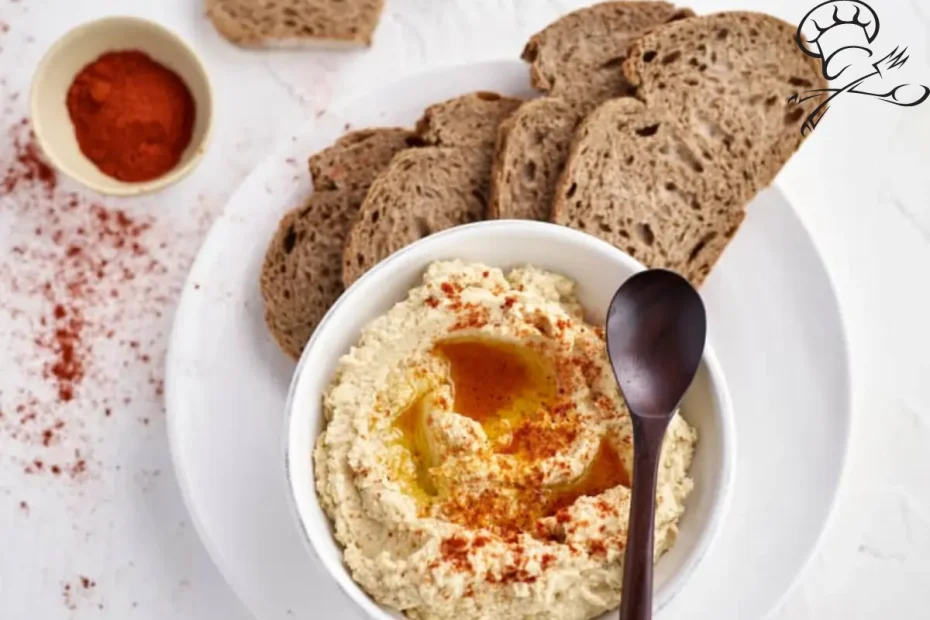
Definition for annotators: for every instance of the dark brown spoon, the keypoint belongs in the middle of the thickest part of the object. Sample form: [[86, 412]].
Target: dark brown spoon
[[656, 327]]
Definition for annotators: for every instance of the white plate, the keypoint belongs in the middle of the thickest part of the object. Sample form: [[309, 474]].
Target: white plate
[[774, 321]]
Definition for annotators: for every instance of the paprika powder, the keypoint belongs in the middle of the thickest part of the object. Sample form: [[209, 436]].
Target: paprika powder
[[133, 117]]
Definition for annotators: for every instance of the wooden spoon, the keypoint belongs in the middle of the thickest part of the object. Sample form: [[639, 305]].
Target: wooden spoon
[[656, 328]]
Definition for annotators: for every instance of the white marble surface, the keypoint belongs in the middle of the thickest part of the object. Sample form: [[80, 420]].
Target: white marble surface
[[861, 184]]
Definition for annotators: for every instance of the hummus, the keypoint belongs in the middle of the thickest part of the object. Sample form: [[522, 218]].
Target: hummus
[[476, 455]]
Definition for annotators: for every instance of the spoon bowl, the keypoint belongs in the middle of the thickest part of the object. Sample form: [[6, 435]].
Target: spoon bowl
[[656, 328]]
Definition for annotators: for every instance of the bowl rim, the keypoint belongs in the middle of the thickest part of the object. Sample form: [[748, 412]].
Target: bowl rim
[[205, 107], [716, 379]]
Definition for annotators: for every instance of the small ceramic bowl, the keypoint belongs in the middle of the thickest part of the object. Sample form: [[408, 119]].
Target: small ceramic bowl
[[80, 47], [599, 269]]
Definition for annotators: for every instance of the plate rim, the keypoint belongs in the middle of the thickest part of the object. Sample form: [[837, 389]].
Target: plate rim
[[187, 299], [848, 397]]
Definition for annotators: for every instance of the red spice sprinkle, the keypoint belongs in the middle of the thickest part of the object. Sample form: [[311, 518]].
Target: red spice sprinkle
[[87, 582], [455, 550], [29, 166], [72, 257], [432, 302], [79, 467], [68, 368], [66, 595], [513, 574], [471, 316]]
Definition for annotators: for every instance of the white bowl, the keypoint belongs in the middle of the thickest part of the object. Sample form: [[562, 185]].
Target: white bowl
[[599, 269], [80, 47]]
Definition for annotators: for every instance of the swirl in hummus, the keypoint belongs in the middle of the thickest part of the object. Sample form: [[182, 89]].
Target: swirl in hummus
[[476, 456]]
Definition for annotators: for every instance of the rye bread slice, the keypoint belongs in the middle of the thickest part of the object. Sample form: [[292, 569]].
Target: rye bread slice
[[301, 277], [532, 146], [295, 23], [356, 158], [578, 57], [729, 77], [642, 180], [577, 61], [423, 191], [467, 121], [668, 178], [302, 273]]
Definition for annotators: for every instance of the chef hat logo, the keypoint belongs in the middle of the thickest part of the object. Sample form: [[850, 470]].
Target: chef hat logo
[[838, 32], [842, 34]]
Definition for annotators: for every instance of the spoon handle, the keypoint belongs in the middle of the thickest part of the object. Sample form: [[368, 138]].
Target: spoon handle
[[636, 600]]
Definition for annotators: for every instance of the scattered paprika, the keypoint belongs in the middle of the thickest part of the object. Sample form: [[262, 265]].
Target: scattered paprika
[[132, 116]]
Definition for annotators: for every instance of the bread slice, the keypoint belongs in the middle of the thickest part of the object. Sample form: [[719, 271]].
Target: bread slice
[[296, 23], [668, 178], [423, 191], [302, 273], [356, 158], [470, 120], [301, 277], [532, 146], [578, 58], [428, 189], [730, 76], [642, 180]]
